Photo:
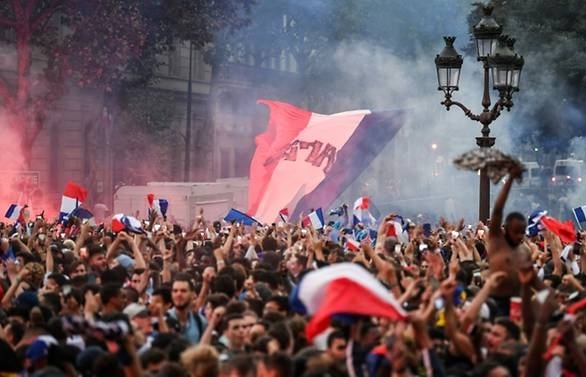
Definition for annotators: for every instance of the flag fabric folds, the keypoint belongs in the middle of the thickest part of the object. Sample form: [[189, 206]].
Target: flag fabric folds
[[580, 215], [160, 206], [73, 196], [352, 245], [534, 224], [84, 214], [361, 212], [564, 230], [284, 215], [122, 222], [305, 160], [13, 212], [235, 215], [315, 219], [333, 290]]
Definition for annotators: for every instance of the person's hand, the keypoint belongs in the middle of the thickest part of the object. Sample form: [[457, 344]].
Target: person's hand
[[208, 275], [91, 303], [447, 288], [494, 279], [23, 274], [548, 307], [217, 316]]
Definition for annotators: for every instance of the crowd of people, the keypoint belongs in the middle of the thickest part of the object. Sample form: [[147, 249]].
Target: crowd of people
[[482, 300]]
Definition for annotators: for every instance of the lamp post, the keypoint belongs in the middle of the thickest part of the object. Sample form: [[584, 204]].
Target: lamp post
[[496, 53]]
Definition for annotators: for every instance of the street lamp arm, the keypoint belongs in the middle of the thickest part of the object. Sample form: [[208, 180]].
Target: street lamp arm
[[449, 103]]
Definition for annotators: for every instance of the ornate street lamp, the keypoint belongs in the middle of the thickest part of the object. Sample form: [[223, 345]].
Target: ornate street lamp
[[499, 58]]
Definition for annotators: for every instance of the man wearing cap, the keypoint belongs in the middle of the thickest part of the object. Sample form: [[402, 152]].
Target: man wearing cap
[[140, 318]]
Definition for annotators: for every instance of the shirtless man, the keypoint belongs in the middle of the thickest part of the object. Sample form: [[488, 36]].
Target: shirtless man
[[506, 250]]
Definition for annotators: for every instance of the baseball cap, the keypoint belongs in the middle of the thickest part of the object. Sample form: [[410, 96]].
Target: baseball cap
[[135, 310]]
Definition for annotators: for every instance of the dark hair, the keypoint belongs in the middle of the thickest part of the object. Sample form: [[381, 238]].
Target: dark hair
[[225, 284], [280, 362], [152, 356], [512, 329], [17, 329], [281, 301], [515, 216], [165, 294], [282, 334], [185, 278], [227, 319], [336, 334], [109, 291]]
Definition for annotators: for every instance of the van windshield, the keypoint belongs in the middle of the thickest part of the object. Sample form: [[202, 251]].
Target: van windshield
[[572, 171]]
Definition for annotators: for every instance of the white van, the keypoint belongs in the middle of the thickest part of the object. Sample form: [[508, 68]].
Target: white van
[[567, 172], [532, 176]]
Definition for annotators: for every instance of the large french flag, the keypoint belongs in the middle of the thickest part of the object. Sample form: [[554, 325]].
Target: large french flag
[[73, 196], [333, 290], [305, 160]]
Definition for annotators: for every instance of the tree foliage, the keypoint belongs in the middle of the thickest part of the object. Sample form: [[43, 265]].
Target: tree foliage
[[98, 43]]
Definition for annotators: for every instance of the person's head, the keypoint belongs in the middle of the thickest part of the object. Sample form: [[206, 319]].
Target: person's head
[[77, 268], [515, 226], [490, 369], [152, 360], [296, 264], [250, 319], [14, 331], [278, 364], [182, 291], [201, 361], [279, 304], [233, 325], [161, 297], [336, 344], [213, 301], [502, 330], [281, 332], [140, 317], [135, 281], [97, 258], [112, 297]]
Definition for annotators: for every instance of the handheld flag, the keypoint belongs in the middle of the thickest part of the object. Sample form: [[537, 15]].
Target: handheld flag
[[580, 215], [235, 215], [306, 160], [352, 245], [84, 214], [565, 231], [73, 196], [121, 222], [361, 213], [284, 215], [333, 290], [534, 224], [13, 212], [315, 219], [158, 205]]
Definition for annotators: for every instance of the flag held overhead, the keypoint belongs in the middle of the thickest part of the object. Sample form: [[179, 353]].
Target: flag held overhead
[[235, 215]]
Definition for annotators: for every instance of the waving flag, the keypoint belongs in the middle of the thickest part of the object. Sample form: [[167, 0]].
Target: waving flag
[[362, 213], [84, 214], [122, 222], [73, 196], [352, 245], [333, 290], [284, 214], [13, 212], [580, 215], [240, 217], [158, 205], [564, 230], [315, 219], [534, 225], [305, 159]]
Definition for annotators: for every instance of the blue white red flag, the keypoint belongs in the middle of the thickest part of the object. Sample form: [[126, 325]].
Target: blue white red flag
[[305, 160], [13, 212], [333, 290], [160, 206], [73, 196], [315, 219]]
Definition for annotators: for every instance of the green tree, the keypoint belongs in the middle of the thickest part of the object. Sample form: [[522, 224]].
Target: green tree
[[98, 43]]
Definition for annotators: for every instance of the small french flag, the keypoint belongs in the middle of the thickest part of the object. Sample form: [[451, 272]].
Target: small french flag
[[315, 219], [284, 215], [73, 196], [13, 212], [158, 205], [352, 245], [580, 214], [121, 222]]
